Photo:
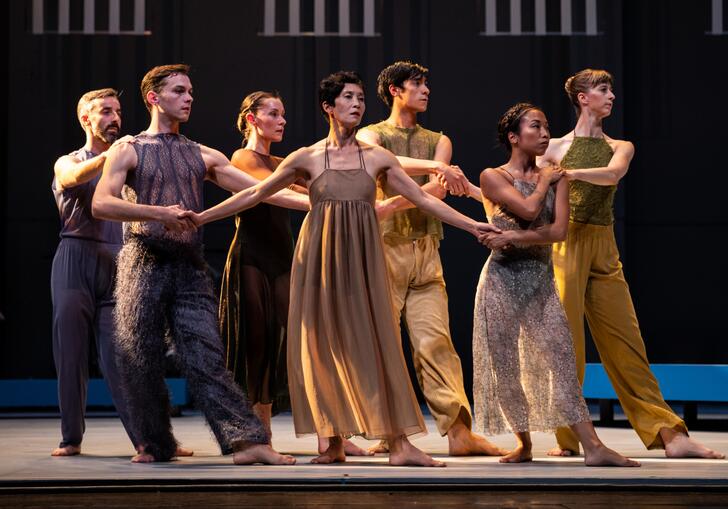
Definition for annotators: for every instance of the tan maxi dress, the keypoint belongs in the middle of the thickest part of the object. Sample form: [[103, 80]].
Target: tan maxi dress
[[347, 373]]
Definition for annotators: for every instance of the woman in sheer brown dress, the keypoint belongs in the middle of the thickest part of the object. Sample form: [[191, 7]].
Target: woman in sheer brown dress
[[255, 283], [347, 374]]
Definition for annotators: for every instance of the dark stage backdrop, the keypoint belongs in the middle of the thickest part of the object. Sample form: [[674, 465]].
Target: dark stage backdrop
[[668, 57]]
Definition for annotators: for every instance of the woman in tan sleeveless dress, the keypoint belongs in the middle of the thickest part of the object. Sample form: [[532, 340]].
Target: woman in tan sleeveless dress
[[347, 374]]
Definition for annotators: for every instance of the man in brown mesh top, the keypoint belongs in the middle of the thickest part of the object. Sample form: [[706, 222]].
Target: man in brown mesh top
[[162, 284]]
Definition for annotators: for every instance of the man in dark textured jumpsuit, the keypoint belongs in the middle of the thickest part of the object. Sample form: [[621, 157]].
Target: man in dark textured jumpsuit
[[161, 281]]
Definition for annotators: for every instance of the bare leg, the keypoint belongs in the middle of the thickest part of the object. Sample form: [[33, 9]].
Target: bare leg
[[403, 453], [264, 412], [522, 452], [247, 453], [350, 448], [381, 448], [334, 453], [596, 454], [680, 445], [463, 442], [68, 450], [558, 451]]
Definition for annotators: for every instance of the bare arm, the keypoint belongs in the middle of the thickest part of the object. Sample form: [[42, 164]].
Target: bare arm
[[222, 172], [498, 189], [611, 174], [108, 204], [405, 186], [546, 234], [71, 172], [284, 175]]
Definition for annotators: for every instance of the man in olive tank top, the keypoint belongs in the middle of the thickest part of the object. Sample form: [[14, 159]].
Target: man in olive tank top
[[589, 274], [411, 246]]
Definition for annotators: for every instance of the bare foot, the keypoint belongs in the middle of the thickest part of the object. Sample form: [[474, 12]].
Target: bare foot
[[334, 453], [470, 444], [381, 448], [521, 454], [603, 456], [350, 448], [405, 454], [181, 451], [68, 450], [143, 457], [682, 446], [558, 451], [261, 453]]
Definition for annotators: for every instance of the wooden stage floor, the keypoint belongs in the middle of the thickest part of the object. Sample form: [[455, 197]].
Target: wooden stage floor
[[104, 467]]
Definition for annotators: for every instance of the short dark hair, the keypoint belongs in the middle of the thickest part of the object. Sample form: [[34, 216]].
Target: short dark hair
[[510, 122], [154, 79], [84, 103], [396, 74], [331, 86]]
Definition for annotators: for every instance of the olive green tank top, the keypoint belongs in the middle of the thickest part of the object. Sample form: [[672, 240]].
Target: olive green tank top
[[589, 203], [418, 143]]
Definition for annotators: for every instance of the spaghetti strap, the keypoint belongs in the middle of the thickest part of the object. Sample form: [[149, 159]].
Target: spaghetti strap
[[505, 173], [327, 164]]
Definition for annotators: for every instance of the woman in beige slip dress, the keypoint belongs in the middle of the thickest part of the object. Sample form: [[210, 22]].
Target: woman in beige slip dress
[[346, 370]]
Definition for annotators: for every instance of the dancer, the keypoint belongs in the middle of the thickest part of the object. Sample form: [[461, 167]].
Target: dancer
[[162, 284], [590, 278], [255, 282], [523, 359], [411, 248], [83, 271], [347, 374]]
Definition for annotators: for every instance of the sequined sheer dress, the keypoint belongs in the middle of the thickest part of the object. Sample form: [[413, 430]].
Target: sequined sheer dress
[[523, 358], [346, 370]]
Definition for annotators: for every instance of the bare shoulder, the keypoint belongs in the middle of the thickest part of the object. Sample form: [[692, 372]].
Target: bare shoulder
[[243, 157], [444, 140], [366, 135], [379, 154], [621, 145], [490, 177], [122, 152]]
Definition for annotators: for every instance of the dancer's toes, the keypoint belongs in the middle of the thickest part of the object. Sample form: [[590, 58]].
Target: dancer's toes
[[261, 453], [605, 457], [351, 449], [682, 446], [143, 457], [68, 450], [518, 455], [409, 455], [558, 451], [470, 444], [181, 451]]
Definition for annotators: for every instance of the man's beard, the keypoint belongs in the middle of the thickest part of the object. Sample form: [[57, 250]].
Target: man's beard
[[108, 136]]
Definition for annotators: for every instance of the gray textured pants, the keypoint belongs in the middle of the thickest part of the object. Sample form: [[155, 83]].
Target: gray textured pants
[[163, 287], [82, 280]]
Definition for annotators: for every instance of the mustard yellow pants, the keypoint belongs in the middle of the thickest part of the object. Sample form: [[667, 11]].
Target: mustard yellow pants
[[591, 283], [419, 296]]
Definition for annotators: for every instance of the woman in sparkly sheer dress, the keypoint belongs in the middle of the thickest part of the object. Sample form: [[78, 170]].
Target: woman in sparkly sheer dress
[[524, 365]]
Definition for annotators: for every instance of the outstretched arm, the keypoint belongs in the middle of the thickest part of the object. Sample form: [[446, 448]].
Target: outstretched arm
[[611, 174], [498, 189], [108, 204], [405, 186], [284, 176], [222, 172], [546, 234]]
